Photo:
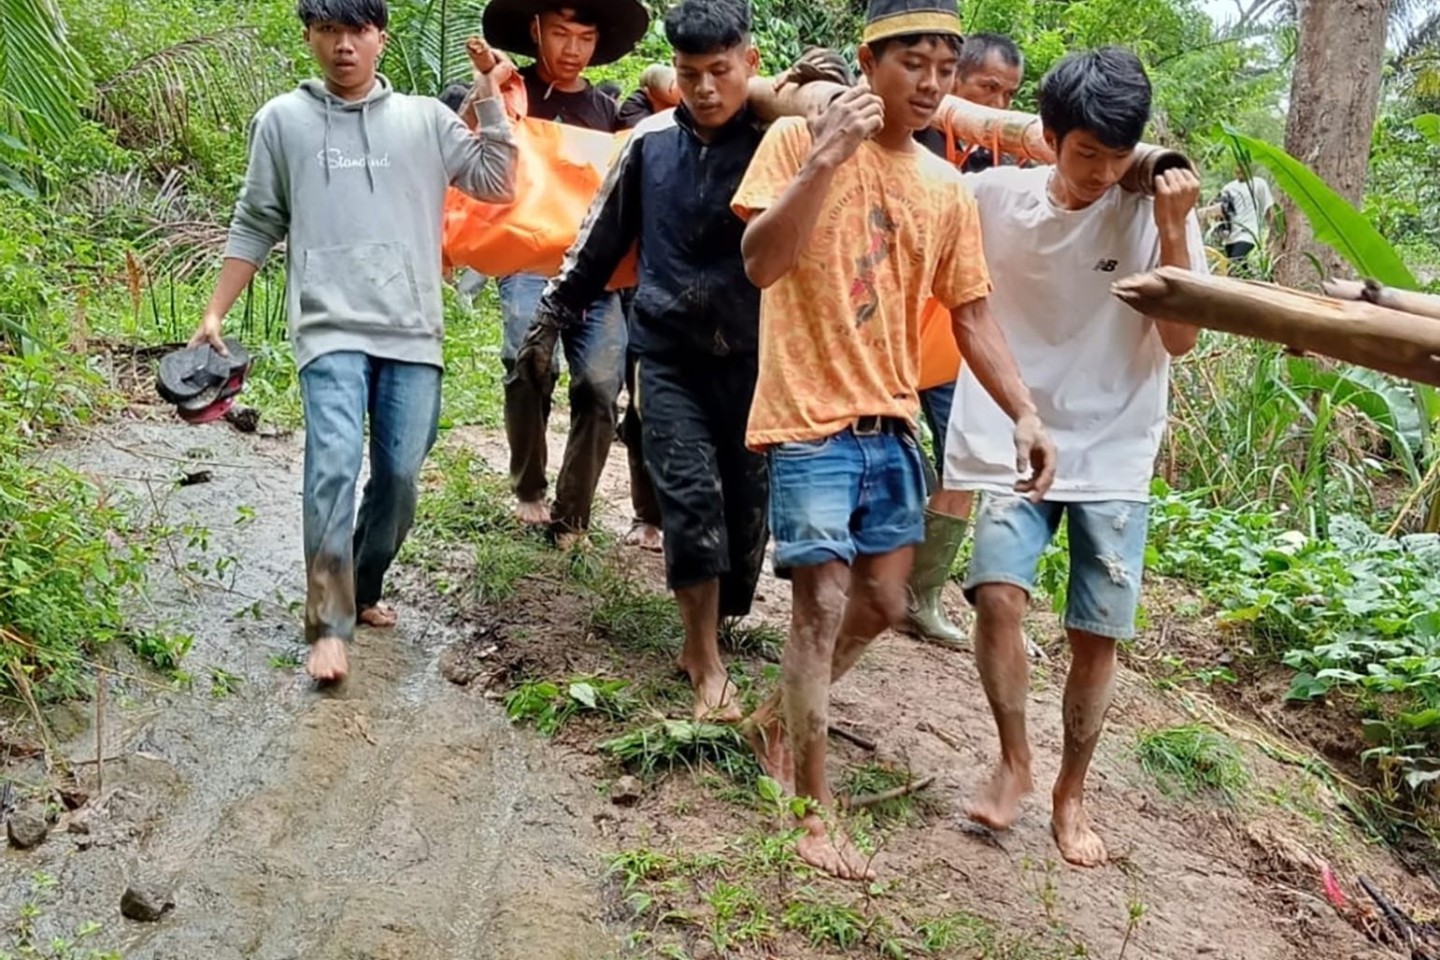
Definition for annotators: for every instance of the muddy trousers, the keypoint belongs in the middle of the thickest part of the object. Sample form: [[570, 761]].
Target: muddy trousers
[[346, 557], [595, 354], [643, 502], [714, 493]]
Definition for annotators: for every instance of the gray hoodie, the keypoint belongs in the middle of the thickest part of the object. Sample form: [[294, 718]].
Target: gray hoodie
[[357, 191]]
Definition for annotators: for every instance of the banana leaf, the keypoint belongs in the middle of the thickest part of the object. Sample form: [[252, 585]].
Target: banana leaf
[[1335, 222], [1388, 404], [1429, 126]]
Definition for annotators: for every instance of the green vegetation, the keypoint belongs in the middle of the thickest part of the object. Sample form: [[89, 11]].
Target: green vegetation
[[669, 744], [549, 706], [1353, 614], [1194, 761]]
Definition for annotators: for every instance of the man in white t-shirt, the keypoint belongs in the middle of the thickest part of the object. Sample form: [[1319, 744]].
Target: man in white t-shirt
[[1055, 239], [1245, 205]]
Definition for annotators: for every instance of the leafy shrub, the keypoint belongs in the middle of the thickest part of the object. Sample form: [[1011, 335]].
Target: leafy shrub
[[1354, 613]]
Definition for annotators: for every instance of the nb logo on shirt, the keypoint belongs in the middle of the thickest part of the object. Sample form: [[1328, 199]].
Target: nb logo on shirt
[[1106, 266]]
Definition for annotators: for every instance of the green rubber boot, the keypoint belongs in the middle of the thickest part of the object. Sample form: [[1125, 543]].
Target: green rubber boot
[[925, 617]]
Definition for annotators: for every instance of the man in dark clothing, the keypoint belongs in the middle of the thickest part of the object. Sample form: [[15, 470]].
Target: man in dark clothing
[[657, 92], [694, 329], [564, 38]]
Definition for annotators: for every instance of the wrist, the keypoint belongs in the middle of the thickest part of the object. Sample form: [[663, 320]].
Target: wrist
[[1173, 234], [823, 159]]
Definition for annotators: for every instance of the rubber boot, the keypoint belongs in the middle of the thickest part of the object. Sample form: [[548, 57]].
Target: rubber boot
[[925, 617]]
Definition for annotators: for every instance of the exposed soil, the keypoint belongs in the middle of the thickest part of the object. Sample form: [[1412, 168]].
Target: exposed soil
[[394, 818], [402, 816]]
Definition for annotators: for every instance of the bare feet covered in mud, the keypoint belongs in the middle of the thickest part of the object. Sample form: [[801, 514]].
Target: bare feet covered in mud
[[328, 662], [831, 851], [714, 696], [532, 513], [763, 731], [382, 616], [645, 536], [1078, 842], [997, 805]]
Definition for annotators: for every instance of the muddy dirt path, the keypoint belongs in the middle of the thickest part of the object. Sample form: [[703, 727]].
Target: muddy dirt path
[[403, 817], [1190, 877], [396, 818]]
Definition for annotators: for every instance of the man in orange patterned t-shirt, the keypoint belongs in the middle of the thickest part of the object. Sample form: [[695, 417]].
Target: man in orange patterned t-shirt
[[851, 228]]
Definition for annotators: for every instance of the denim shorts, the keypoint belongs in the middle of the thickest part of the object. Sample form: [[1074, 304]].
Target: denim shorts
[[845, 496], [1107, 556]]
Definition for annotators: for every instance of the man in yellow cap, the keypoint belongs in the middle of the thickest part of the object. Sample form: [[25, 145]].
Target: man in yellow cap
[[852, 227]]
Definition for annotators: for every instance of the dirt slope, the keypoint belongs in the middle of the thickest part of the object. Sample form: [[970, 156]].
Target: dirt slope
[[405, 818]]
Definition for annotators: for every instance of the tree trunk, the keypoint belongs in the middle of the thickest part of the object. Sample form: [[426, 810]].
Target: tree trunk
[[1334, 96]]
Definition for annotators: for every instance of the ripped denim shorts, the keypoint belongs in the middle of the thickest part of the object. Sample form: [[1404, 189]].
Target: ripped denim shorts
[[1107, 556]]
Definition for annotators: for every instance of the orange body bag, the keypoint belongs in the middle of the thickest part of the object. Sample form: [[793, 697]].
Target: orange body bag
[[558, 172]]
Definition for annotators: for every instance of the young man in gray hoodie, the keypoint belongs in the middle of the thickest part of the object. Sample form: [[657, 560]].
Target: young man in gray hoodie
[[352, 176]]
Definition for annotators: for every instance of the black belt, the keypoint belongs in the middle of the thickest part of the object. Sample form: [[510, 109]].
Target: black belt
[[874, 426]]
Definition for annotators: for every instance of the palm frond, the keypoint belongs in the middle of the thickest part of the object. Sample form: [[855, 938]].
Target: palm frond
[[427, 43], [43, 81], [217, 75]]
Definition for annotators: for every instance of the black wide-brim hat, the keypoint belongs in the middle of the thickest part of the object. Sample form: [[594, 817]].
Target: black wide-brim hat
[[620, 25]]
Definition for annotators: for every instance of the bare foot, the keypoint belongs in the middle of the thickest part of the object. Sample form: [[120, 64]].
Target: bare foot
[[381, 616], [1077, 840], [533, 513], [328, 662], [831, 851], [767, 738], [645, 536], [998, 802], [713, 697]]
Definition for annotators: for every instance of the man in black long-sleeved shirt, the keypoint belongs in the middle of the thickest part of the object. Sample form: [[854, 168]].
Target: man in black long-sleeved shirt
[[694, 328]]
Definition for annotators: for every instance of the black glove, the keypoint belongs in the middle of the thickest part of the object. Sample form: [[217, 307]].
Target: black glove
[[537, 351]]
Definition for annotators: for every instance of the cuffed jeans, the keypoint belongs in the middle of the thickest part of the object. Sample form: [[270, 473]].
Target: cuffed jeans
[[594, 351], [346, 557]]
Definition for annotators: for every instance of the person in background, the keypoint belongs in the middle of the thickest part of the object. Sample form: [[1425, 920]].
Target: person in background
[[989, 73], [991, 69], [1247, 211], [565, 38], [611, 89], [352, 177], [657, 92]]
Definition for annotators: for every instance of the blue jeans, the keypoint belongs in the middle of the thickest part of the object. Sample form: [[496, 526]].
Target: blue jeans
[[1107, 556], [346, 558], [845, 496], [935, 404], [594, 350]]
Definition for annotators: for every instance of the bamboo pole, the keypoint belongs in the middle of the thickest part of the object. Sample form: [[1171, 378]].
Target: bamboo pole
[[1013, 132], [1369, 291], [1390, 341]]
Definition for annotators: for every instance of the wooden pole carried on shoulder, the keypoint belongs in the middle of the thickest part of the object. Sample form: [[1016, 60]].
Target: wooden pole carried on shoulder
[[1014, 132], [1392, 341]]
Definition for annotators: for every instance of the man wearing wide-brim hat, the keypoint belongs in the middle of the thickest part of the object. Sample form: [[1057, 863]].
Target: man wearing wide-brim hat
[[564, 38]]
